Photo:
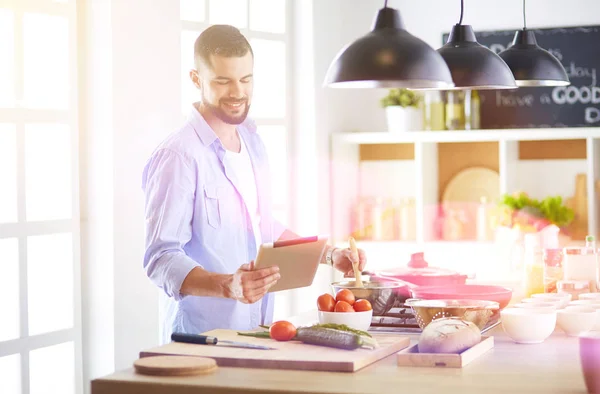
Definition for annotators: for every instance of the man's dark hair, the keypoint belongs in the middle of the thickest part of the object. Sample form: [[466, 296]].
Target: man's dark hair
[[222, 40]]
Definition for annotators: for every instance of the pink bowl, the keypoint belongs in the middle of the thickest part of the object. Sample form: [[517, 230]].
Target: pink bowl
[[499, 294]]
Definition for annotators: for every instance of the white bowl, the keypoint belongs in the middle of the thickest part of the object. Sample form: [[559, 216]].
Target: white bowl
[[357, 320], [576, 320], [590, 296], [594, 304], [564, 298], [524, 325], [558, 304], [545, 306]]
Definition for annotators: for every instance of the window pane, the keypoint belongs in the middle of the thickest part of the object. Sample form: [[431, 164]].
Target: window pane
[[275, 140], [8, 173], [189, 93], [192, 10], [269, 79], [9, 291], [230, 12], [48, 172], [52, 369], [267, 15], [7, 54], [46, 61], [50, 282], [10, 381]]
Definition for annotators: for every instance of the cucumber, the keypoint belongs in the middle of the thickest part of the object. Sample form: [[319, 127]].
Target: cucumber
[[332, 338], [343, 327]]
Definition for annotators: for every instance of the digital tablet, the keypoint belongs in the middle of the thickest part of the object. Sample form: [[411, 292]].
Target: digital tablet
[[298, 260]]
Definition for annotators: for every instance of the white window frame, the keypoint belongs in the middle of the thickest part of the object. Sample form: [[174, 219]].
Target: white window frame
[[22, 228], [287, 38]]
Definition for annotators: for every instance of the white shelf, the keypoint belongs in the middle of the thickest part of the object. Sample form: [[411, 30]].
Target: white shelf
[[467, 135], [345, 168]]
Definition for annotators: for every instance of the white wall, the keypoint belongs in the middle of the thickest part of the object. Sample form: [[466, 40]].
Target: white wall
[[130, 91]]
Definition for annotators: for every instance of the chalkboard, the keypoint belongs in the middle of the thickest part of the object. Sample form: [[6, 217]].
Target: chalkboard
[[577, 105]]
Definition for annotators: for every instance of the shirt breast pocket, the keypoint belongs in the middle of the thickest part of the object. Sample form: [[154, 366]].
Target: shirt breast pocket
[[211, 202]]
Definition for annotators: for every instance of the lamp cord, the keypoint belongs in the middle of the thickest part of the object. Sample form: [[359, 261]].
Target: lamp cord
[[385, 4], [524, 18], [462, 10]]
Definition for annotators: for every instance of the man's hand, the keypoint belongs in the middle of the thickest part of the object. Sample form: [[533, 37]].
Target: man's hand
[[248, 285], [343, 258]]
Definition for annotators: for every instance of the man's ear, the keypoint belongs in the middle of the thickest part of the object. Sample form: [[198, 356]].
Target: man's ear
[[196, 79]]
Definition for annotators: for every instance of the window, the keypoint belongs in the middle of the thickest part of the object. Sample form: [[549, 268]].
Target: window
[[40, 346], [265, 23]]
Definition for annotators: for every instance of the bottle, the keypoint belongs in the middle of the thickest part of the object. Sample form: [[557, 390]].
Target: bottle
[[433, 112], [553, 270], [534, 265], [472, 110], [455, 110]]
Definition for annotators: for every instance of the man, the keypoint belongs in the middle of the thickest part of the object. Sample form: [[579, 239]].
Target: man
[[208, 201]]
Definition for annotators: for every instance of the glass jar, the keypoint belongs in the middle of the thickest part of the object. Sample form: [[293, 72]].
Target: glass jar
[[553, 270], [573, 287], [581, 263], [534, 265], [433, 111]]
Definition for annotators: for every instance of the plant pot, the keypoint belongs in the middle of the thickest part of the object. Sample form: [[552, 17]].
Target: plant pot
[[401, 119]]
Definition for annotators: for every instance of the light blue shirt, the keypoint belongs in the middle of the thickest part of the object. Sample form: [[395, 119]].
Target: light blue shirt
[[195, 217]]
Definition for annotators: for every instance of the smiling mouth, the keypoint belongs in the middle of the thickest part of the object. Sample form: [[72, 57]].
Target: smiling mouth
[[234, 104]]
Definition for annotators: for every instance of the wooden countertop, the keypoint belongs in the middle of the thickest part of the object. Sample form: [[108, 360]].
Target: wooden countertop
[[549, 367]]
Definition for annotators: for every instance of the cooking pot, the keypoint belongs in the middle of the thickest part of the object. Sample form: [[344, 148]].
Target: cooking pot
[[419, 273]]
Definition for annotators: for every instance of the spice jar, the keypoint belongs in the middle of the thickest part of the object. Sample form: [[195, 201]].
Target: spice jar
[[573, 287], [553, 271]]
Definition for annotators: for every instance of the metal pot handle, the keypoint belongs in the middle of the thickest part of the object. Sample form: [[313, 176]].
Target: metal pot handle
[[411, 301]]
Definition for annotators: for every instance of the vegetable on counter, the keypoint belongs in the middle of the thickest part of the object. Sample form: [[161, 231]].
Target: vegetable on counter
[[332, 335], [449, 335]]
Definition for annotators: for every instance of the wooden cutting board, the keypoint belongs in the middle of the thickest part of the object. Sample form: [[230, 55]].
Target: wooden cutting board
[[288, 355]]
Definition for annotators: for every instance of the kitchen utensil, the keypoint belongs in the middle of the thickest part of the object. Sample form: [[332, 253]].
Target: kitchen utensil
[[411, 357], [475, 311], [289, 355], [501, 295], [208, 340], [524, 325], [418, 272], [381, 294], [471, 184], [564, 298], [355, 262], [357, 320], [174, 365]]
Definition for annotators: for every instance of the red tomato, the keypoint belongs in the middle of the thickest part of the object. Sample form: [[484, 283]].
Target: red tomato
[[282, 331], [362, 306], [345, 295], [326, 302], [343, 306]]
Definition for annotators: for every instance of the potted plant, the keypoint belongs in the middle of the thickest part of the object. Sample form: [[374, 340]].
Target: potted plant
[[403, 110]]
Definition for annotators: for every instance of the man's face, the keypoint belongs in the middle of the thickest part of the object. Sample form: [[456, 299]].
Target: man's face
[[226, 85]]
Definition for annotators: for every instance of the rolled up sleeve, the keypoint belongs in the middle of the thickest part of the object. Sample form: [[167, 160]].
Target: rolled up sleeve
[[169, 184]]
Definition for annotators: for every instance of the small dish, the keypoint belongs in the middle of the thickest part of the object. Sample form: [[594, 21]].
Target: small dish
[[544, 306], [357, 320], [576, 320], [564, 298], [590, 296], [594, 304], [528, 326], [558, 304]]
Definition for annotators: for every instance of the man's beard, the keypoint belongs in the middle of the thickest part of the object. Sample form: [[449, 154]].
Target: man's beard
[[220, 113]]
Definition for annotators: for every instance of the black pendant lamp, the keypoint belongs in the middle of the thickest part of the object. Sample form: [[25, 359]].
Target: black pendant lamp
[[473, 66], [530, 64], [389, 57]]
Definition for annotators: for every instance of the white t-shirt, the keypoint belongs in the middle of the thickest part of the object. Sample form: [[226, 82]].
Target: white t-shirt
[[244, 174]]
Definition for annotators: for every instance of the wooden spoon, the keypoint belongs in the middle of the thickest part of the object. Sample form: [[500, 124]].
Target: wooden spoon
[[357, 275]]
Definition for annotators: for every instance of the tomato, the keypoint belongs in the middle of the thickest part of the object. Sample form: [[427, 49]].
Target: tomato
[[343, 306], [362, 306], [326, 302], [282, 331], [345, 295]]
